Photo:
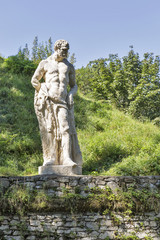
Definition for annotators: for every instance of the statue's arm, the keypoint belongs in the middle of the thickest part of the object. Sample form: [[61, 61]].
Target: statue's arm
[[73, 86], [39, 73]]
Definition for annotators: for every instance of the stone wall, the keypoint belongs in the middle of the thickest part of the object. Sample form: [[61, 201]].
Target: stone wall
[[89, 225]]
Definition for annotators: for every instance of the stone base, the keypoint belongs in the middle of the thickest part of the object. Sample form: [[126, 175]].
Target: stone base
[[60, 170]]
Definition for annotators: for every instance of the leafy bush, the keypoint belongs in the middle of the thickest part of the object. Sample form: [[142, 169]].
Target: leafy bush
[[130, 84], [18, 65]]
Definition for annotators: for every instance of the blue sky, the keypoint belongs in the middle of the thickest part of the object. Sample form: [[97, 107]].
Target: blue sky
[[94, 28]]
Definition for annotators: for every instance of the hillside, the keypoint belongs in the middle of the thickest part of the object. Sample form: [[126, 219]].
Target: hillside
[[111, 142]]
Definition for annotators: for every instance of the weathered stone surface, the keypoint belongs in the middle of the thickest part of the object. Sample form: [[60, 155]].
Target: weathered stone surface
[[91, 185], [34, 222], [153, 224], [55, 112], [60, 170], [4, 183], [114, 187], [31, 238], [103, 235], [4, 227], [80, 226], [17, 238]]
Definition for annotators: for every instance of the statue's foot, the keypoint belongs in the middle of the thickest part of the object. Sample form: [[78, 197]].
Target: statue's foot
[[69, 162], [51, 162]]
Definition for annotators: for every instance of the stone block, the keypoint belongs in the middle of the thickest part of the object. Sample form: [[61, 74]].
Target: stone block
[[60, 170], [4, 227], [31, 238], [16, 233], [153, 224], [91, 185], [114, 187], [4, 183], [103, 235], [73, 183], [51, 183], [34, 222], [17, 238]]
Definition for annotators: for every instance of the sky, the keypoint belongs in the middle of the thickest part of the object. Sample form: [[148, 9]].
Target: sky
[[93, 28]]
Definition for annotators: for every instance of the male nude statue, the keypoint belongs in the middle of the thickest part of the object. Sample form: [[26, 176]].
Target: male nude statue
[[54, 108]]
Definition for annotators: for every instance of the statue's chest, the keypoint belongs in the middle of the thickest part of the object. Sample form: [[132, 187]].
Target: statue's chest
[[57, 68]]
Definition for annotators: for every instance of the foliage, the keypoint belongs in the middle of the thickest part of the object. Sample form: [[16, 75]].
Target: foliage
[[112, 143], [19, 65], [22, 199], [23, 63], [1, 59], [146, 95], [41, 50], [16, 199], [130, 84], [72, 59], [130, 237], [20, 144]]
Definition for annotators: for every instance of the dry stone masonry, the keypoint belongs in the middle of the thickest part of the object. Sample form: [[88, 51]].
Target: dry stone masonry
[[88, 225]]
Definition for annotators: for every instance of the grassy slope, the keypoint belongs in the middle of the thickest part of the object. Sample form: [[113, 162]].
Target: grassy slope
[[111, 142]]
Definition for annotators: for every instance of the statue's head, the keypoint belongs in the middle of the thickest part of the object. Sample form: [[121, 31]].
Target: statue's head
[[61, 48]]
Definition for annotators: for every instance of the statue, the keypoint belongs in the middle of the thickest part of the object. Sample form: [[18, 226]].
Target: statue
[[54, 108]]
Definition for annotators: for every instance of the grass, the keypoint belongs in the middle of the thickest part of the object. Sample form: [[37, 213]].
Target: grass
[[117, 144], [112, 143]]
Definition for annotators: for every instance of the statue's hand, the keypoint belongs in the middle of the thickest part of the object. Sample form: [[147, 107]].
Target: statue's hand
[[38, 87], [70, 100]]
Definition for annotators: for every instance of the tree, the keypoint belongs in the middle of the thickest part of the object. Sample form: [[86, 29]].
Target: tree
[[41, 52], [72, 59], [50, 47], [20, 54], [26, 52], [100, 78], [147, 93], [131, 84], [132, 67], [119, 94], [35, 50]]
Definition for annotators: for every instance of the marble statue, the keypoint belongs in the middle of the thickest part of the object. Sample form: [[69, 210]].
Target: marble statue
[[54, 107]]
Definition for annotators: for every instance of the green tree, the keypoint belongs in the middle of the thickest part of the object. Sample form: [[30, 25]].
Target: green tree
[[35, 50], [147, 93], [72, 59], [26, 52], [100, 78], [132, 68], [49, 47], [119, 93], [41, 52], [20, 54]]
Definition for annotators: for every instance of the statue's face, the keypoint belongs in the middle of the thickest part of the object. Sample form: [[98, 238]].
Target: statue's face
[[63, 52]]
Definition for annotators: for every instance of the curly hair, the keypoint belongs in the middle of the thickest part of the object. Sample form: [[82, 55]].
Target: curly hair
[[61, 44]]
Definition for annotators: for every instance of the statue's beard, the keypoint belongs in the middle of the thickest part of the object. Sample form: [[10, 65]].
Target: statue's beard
[[65, 55], [59, 56], [62, 54]]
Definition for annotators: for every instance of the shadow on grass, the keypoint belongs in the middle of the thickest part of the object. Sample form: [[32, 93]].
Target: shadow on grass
[[105, 158]]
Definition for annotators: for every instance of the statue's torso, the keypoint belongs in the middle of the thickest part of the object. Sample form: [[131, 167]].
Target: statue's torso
[[57, 78]]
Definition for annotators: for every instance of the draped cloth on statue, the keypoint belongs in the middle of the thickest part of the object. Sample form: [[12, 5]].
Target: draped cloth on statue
[[47, 110]]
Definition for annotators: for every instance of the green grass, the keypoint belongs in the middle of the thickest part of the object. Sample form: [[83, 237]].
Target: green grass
[[111, 142]]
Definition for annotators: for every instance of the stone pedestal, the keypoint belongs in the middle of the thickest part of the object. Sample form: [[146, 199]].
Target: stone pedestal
[[60, 170]]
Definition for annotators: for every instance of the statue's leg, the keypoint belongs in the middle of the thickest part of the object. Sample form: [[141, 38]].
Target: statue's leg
[[48, 140], [66, 141], [43, 109]]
